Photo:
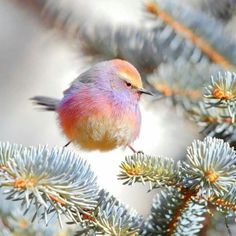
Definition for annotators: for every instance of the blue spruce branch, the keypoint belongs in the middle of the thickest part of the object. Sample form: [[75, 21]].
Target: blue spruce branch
[[43, 179]]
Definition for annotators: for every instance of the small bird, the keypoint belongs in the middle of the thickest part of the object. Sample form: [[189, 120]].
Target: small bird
[[100, 110]]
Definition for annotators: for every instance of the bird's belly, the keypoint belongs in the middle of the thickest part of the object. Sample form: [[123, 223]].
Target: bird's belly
[[96, 125], [104, 132]]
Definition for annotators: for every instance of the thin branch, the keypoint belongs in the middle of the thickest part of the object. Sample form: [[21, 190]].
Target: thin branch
[[190, 35]]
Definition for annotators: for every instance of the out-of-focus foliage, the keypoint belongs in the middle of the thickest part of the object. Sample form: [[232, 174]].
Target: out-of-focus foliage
[[222, 9]]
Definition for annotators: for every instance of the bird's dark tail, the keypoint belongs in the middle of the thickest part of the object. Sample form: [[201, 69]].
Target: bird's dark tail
[[49, 104]]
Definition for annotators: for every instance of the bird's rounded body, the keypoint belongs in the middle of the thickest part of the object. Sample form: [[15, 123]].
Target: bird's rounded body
[[100, 110], [98, 121]]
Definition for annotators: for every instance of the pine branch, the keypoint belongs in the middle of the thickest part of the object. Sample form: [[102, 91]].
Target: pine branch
[[144, 47], [175, 212], [221, 92], [208, 172], [8, 151], [12, 221], [216, 114], [210, 167], [213, 122], [137, 45], [222, 9], [183, 89], [225, 202], [195, 27], [102, 40], [204, 169], [111, 218], [43, 180], [142, 168]]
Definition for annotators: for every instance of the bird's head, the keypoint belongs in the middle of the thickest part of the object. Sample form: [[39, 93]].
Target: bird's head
[[128, 78]]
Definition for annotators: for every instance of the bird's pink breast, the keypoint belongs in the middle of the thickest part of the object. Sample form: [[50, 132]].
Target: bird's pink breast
[[95, 121]]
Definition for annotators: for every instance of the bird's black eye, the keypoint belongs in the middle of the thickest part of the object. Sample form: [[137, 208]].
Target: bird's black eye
[[128, 84]]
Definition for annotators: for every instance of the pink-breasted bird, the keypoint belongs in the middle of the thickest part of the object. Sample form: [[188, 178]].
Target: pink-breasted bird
[[100, 110]]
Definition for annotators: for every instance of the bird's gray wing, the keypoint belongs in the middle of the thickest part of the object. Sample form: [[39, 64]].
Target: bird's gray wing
[[86, 77]]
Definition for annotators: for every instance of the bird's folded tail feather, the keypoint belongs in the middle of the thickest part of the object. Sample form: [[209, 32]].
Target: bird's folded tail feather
[[49, 104]]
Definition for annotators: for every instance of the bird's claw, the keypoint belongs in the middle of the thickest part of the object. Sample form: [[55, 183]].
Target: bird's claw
[[136, 152], [140, 152]]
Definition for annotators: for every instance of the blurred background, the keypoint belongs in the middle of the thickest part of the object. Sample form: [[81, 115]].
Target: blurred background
[[40, 54]]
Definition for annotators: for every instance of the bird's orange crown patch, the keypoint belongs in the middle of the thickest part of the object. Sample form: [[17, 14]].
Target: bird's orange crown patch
[[128, 73]]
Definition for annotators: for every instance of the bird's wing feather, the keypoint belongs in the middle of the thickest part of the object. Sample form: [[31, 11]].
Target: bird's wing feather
[[85, 78]]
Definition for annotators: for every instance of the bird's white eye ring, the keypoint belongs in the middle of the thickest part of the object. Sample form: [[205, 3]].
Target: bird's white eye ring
[[128, 84]]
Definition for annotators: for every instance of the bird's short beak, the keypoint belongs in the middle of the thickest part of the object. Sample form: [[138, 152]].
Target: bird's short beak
[[142, 90]]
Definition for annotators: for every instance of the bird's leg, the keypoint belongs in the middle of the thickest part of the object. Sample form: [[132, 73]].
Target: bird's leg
[[132, 148], [134, 151], [67, 144]]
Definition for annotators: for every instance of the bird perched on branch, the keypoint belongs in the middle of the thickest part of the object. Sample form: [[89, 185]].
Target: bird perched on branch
[[100, 110]]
